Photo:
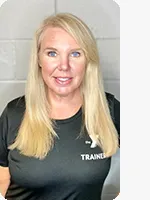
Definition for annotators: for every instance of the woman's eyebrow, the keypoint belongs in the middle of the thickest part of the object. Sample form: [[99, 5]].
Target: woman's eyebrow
[[50, 48], [77, 49], [54, 49]]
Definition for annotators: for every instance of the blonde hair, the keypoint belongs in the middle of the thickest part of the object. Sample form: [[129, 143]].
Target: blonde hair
[[36, 133]]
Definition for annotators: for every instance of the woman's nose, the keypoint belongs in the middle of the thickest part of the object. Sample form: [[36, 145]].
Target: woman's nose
[[64, 63]]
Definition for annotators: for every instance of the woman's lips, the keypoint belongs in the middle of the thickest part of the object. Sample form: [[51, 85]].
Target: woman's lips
[[63, 80]]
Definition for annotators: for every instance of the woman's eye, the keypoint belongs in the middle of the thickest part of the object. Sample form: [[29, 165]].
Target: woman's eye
[[75, 54], [52, 53]]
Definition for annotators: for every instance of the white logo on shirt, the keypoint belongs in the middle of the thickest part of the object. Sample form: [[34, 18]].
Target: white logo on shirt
[[93, 145], [98, 156]]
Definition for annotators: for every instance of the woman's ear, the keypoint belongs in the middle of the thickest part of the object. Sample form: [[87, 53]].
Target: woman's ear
[[39, 63]]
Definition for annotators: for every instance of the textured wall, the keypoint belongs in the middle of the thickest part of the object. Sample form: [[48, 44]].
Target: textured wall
[[18, 21]]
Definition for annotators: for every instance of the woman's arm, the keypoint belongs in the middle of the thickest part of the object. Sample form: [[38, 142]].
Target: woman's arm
[[4, 180]]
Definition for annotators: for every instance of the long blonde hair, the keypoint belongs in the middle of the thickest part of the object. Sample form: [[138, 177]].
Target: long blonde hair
[[36, 133]]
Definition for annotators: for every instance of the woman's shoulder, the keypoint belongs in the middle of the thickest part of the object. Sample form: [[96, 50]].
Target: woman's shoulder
[[111, 98], [114, 106], [16, 104], [11, 118], [15, 108]]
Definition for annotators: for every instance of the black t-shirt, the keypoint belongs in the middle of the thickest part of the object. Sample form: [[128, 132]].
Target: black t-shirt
[[75, 169]]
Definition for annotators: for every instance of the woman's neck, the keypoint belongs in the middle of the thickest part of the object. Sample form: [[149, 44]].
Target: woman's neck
[[64, 107]]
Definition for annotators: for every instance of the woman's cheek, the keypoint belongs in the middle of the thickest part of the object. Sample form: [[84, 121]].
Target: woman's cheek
[[47, 65]]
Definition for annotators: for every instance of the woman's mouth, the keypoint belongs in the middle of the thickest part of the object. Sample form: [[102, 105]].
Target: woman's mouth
[[63, 80]]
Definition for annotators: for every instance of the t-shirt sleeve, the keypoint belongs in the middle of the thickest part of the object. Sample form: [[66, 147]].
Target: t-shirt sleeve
[[3, 138], [117, 117]]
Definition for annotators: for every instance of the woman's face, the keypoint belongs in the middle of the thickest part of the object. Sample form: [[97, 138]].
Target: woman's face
[[62, 62]]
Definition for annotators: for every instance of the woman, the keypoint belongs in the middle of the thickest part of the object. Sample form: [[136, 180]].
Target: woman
[[56, 142]]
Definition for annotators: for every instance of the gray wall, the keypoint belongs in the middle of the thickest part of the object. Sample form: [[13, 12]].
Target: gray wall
[[18, 21]]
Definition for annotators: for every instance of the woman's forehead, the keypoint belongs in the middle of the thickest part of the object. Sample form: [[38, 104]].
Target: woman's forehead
[[58, 37]]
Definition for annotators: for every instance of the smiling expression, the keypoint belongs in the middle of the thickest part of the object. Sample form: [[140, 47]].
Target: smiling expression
[[62, 62]]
